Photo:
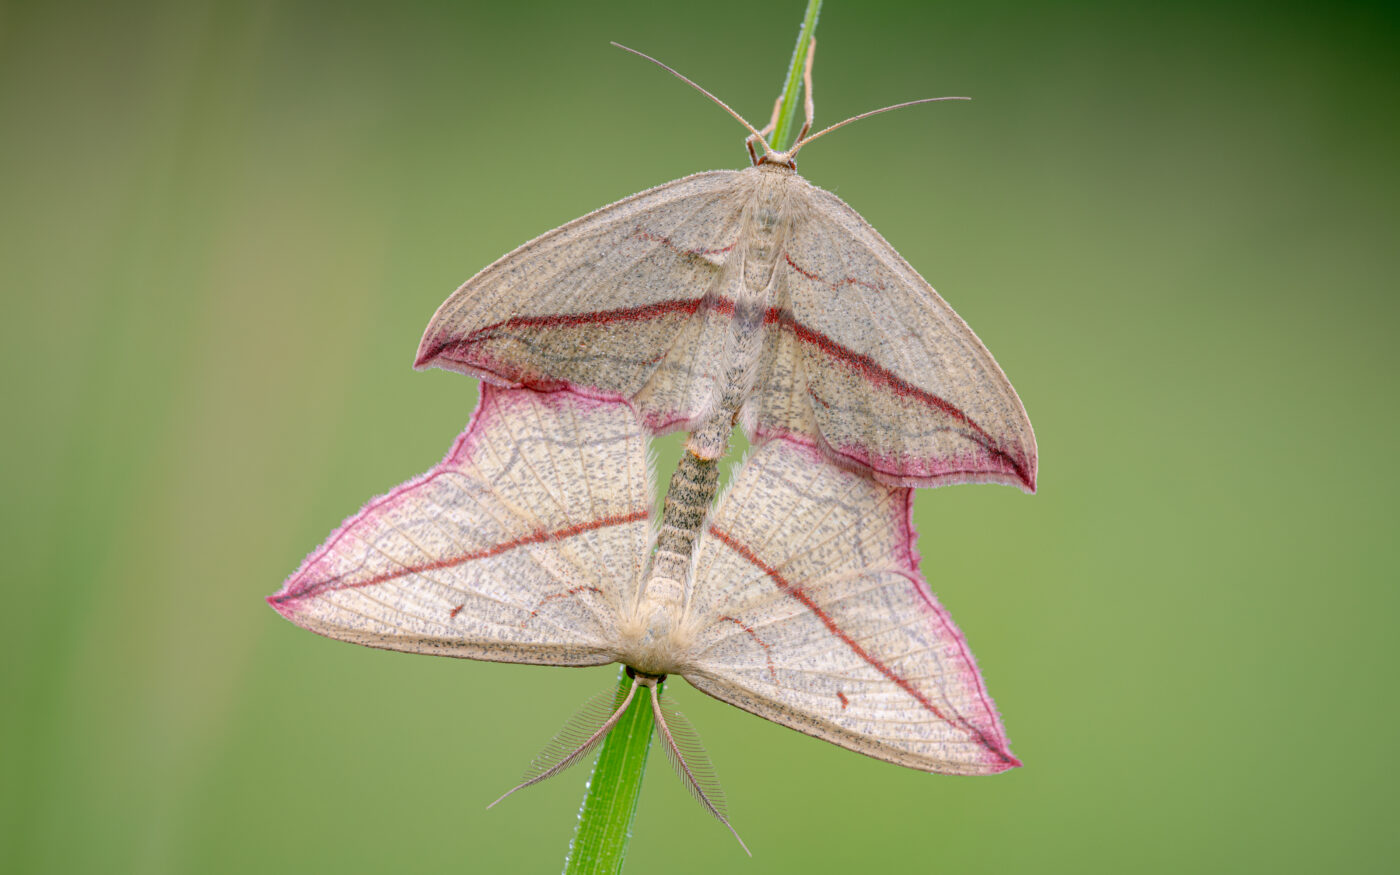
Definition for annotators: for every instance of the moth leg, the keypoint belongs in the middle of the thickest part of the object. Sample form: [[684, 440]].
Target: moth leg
[[809, 106], [773, 120], [767, 129]]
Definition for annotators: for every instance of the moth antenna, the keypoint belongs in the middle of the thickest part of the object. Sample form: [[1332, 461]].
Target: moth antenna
[[576, 739], [743, 121], [855, 118], [690, 761]]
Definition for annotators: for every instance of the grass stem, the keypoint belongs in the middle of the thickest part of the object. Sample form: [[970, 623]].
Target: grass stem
[[792, 86], [610, 803]]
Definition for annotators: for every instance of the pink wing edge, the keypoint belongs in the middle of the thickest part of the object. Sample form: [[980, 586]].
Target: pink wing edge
[[430, 355], [306, 583], [991, 731], [988, 467], [1000, 756], [1009, 467], [998, 467]]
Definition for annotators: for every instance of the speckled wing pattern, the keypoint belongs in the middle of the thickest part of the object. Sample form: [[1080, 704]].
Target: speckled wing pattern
[[814, 616], [611, 304], [529, 541], [865, 357], [518, 547], [860, 358]]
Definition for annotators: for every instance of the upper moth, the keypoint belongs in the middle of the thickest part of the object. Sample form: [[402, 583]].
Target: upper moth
[[748, 295]]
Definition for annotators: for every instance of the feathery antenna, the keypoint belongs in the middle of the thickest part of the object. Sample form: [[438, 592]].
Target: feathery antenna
[[565, 749], [690, 762]]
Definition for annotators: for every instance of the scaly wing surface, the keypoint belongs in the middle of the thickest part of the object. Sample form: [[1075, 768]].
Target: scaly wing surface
[[518, 547], [864, 357], [808, 610], [619, 304]]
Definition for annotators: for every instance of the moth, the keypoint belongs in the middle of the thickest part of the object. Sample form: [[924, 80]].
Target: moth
[[531, 543], [749, 296]]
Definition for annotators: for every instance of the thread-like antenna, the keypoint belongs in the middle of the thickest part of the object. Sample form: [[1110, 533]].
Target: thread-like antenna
[[743, 121], [856, 118], [807, 80]]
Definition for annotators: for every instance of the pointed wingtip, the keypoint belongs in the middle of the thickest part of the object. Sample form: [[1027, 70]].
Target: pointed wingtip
[[999, 756], [1021, 469], [281, 603], [1023, 466], [423, 359]]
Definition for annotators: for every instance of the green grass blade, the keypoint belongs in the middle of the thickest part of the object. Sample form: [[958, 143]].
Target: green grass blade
[[610, 803], [792, 86]]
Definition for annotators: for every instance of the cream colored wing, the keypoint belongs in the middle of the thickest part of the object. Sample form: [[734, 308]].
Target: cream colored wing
[[807, 609], [606, 303], [518, 547], [865, 357]]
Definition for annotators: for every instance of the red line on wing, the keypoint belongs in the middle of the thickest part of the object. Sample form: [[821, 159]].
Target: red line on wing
[[643, 234], [863, 364], [597, 317], [807, 273], [568, 593], [494, 550], [640, 313], [774, 315], [844, 701], [621, 314], [792, 589], [455, 611], [845, 281], [868, 368], [772, 672]]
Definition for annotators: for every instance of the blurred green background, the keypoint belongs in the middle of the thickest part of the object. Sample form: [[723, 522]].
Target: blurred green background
[[223, 226]]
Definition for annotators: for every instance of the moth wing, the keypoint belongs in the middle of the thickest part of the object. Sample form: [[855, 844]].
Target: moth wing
[[809, 611], [518, 547], [610, 304], [868, 359]]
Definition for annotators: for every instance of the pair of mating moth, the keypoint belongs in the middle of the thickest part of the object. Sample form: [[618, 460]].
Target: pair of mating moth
[[748, 297]]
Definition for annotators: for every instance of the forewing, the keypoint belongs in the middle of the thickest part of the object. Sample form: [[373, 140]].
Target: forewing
[[864, 357], [607, 304], [518, 547], [808, 610]]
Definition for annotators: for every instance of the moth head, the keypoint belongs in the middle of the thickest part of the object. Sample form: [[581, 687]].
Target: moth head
[[779, 159], [770, 155]]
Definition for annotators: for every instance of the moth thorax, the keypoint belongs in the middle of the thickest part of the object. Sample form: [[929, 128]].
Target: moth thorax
[[767, 222]]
